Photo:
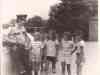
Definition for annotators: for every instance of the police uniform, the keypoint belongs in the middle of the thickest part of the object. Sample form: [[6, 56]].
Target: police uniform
[[18, 32]]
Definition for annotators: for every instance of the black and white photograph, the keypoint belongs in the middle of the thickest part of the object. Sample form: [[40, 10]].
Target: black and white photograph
[[49, 37]]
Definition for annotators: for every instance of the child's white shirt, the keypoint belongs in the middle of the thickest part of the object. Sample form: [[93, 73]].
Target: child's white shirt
[[36, 47], [51, 47], [79, 45]]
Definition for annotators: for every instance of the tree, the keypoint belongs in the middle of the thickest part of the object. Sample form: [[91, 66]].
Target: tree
[[35, 21], [71, 15]]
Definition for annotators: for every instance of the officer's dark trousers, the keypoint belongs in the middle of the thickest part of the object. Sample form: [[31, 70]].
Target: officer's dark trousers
[[23, 56], [20, 58]]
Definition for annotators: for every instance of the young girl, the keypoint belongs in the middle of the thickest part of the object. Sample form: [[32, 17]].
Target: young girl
[[79, 48], [66, 48], [36, 52]]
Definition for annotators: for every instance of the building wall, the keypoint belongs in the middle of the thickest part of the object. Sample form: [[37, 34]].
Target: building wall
[[93, 29], [93, 26]]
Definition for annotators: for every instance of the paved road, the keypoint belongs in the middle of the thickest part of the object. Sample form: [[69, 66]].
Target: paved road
[[91, 67]]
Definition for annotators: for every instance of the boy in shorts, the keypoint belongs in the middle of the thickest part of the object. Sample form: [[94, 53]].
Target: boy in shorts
[[52, 47], [43, 57]]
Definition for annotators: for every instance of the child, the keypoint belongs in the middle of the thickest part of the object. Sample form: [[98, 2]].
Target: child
[[36, 52], [43, 57], [66, 48], [79, 48], [52, 46]]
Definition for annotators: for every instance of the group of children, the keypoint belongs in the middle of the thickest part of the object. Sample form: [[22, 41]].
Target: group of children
[[39, 50], [47, 49]]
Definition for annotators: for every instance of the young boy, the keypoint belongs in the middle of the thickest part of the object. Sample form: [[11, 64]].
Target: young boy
[[36, 53], [66, 48], [52, 46], [79, 49], [43, 57]]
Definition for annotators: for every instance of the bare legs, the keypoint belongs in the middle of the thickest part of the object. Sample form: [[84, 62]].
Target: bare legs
[[79, 69], [63, 64]]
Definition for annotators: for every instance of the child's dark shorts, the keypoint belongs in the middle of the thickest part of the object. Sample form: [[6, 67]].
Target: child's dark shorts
[[52, 59]]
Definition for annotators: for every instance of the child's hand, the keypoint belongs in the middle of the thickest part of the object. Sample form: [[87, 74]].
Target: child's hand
[[71, 53]]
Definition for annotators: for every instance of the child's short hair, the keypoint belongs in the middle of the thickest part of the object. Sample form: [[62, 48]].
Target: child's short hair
[[68, 34], [78, 33], [37, 33]]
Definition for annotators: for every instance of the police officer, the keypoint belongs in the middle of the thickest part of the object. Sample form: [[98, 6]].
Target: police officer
[[19, 32]]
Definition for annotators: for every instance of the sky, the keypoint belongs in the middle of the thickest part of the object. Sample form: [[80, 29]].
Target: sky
[[9, 8]]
